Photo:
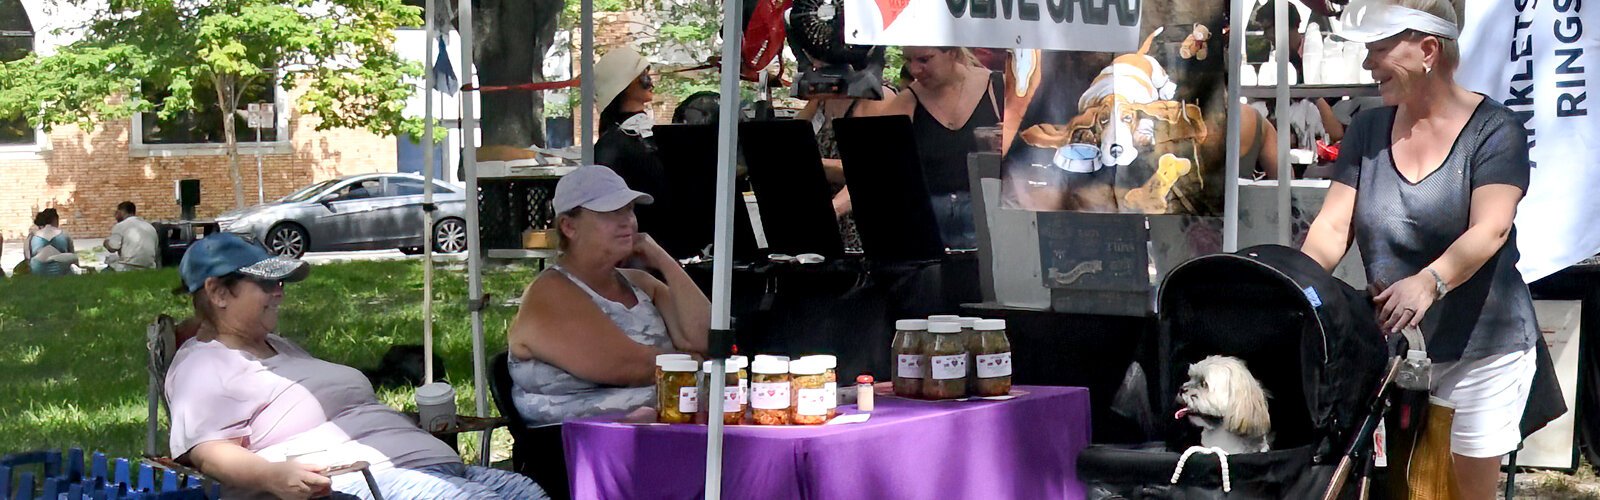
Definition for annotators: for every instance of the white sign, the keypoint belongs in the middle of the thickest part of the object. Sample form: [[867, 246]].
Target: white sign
[[1087, 25], [260, 115], [1553, 445], [1534, 56]]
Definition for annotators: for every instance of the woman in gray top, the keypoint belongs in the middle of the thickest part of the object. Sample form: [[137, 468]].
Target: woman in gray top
[[1427, 187], [586, 336]]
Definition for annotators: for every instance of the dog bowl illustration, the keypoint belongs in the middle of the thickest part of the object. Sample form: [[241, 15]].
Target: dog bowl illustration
[[1078, 158]]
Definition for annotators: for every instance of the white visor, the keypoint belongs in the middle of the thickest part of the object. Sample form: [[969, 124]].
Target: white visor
[[1378, 20]]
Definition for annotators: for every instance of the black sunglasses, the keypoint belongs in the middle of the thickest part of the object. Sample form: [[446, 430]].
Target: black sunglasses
[[646, 82]]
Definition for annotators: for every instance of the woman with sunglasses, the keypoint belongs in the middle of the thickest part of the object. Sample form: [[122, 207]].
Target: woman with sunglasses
[[624, 92], [265, 418]]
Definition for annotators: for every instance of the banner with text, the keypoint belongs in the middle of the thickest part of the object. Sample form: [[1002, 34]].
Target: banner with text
[[1533, 56], [1087, 25]]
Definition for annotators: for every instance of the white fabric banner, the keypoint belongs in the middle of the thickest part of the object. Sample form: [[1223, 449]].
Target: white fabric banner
[[1086, 25], [1534, 56]]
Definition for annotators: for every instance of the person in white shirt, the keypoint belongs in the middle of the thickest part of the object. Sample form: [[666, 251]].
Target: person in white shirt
[[133, 241]]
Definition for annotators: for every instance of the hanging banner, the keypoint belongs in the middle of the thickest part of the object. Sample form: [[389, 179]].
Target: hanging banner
[[1089, 25], [1137, 131], [1534, 56]]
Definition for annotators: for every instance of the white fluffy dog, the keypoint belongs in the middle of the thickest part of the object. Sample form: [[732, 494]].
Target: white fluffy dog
[[1228, 404]]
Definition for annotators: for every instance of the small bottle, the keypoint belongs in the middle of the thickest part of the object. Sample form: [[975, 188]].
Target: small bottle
[[864, 393]]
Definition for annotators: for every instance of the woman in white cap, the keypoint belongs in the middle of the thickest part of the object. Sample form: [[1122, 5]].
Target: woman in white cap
[[1427, 187], [587, 334], [265, 418]]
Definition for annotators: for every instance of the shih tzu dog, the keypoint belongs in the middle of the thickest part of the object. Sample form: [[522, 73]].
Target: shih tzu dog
[[1228, 404]]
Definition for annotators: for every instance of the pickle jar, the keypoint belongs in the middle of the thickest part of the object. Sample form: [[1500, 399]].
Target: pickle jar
[[743, 362], [678, 399], [732, 411], [947, 362], [769, 391], [911, 363], [810, 392], [830, 367], [969, 337], [992, 365], [661, 358]]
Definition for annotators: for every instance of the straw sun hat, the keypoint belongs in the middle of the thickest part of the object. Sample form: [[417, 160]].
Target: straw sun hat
[[614, 72]]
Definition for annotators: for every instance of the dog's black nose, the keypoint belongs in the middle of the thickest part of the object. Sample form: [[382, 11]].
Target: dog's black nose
[[1116, 150]]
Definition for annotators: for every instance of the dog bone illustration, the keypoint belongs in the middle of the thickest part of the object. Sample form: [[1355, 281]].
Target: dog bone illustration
[[1077, 272], [1152, 197]]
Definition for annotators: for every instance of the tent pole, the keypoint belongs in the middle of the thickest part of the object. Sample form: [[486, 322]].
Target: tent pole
[[469, 159], [586, 84], [1285, 170], [1230, 195], [722, 245], [427, 192]]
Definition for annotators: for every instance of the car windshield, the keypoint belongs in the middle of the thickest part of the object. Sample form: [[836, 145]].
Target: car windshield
[[308, 192]]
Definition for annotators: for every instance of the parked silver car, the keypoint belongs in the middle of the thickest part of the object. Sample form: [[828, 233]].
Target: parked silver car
[[356, 212]]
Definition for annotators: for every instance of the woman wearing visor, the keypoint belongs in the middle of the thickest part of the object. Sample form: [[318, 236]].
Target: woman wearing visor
[[1427, 187]]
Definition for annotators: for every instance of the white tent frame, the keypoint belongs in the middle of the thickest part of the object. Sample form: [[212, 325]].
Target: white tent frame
[[722, 270]]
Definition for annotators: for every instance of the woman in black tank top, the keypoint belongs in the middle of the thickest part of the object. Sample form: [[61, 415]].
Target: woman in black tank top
[[952, 96]]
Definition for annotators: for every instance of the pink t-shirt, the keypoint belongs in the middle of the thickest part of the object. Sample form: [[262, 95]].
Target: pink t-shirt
[[291, 405]]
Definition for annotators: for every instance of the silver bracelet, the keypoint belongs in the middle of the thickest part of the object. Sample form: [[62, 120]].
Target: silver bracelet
[[1439, 286]]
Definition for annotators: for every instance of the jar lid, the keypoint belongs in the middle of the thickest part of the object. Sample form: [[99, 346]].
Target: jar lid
[[680, 365], [943, 317], [827, 361], [436, 392], [944, 327], [990, 325], [806, 366], [740, 361], [911, 325], [727, 367], [968, 321], [662, 358], [760, 357], [770, 365]]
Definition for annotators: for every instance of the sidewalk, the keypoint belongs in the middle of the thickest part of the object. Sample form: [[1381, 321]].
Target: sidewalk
[[11, 254]]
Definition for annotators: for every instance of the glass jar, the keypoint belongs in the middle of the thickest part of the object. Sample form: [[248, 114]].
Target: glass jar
[[830, 367], [732, 412], [992, 365], [678, 399], [969, 338], [743, 363], [661, 358], [769, 391], [947, 362], [911, 363], [810, 393]]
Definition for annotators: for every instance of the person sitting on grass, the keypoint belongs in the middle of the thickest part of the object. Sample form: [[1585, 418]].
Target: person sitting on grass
[[263, 417], [49, 250], [587, 334]]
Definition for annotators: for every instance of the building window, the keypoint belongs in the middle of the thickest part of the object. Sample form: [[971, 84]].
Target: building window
[[16, 42], [205, 125]]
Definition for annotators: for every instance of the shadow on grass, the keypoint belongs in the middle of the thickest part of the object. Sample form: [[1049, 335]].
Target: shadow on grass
[[74, 348]]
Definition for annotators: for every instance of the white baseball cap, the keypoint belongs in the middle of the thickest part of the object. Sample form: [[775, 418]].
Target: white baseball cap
[[595, 188], [1373, 21]]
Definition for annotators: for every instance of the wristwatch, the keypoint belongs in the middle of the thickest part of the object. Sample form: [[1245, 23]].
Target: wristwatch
[[1439, 286]]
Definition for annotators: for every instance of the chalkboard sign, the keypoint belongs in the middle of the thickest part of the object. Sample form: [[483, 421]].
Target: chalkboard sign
[[1101, 252]]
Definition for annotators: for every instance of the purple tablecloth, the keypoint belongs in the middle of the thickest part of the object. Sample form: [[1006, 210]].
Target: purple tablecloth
[[1024, 448]]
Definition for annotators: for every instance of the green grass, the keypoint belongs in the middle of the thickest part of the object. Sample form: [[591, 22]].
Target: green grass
[[72, 349]]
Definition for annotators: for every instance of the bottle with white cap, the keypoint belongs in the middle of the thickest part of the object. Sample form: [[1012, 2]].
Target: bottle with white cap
[[830, 367], [769, 390], [663, 358], [732, 412], [911, 362], [809, 397], [947, 361], [992, 363], [969, 337], [679, 397]]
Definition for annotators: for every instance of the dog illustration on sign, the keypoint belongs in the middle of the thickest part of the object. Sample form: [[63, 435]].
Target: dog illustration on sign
[[1127, 111]]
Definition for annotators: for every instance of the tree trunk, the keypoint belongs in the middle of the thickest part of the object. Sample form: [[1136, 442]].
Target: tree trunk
[[514, 36], [227, 100]]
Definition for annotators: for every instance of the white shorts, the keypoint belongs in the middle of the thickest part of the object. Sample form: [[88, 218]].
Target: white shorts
[[1489, 395]]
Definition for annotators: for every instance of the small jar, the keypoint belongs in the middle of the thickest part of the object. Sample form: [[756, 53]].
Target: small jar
[[992, 365], [769, 391], [743, 362], [911, 363], [732, 411], [947, 362], [969, 337], [810, 392], [830, 367], [679, 397], [661, 358]]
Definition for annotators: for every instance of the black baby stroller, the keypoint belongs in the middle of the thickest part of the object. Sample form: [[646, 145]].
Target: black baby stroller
[[1312, 342]]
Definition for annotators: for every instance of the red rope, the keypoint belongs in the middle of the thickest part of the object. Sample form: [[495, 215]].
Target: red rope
[[541, 86]]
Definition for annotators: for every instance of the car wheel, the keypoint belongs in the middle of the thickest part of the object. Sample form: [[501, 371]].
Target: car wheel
[[450, 236], [288, 240]]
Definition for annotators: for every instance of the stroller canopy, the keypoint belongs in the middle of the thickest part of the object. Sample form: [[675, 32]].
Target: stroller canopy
[[1309, 338]]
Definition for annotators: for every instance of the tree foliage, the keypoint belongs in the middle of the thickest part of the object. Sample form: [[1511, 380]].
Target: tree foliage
[[341, 51]]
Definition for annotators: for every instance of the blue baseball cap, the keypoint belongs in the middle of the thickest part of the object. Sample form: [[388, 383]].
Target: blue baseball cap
[[222, 254]]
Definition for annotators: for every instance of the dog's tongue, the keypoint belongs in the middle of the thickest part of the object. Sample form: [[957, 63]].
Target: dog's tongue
[[1182, 412]]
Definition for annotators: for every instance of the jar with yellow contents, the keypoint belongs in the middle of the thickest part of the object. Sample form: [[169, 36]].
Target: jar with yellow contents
[[678, 398]]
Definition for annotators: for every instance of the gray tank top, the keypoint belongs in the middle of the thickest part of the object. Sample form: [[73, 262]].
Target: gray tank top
[[546, 394], [1401, 227]]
